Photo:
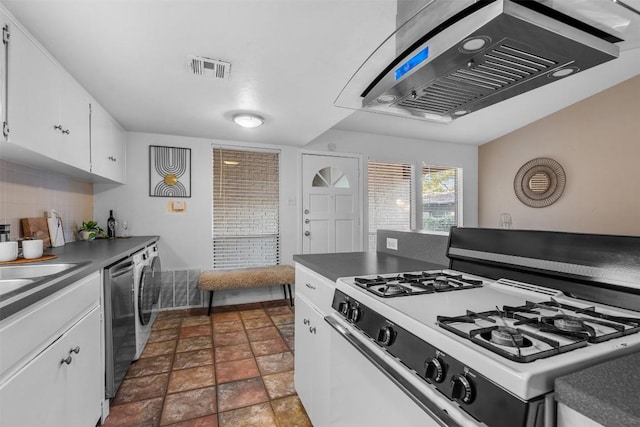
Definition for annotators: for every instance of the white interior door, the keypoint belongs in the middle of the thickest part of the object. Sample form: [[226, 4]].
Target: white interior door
[[331, 204]]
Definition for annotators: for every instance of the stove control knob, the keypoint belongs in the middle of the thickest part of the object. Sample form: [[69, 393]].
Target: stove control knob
[[354, 314], [343, 308], [461, 389], [385, 336], [435, 370]]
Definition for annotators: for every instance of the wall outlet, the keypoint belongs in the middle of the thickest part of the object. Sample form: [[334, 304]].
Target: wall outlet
[[392, 243]]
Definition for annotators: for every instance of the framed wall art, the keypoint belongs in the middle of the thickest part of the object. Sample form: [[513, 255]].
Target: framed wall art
[[169, 171]]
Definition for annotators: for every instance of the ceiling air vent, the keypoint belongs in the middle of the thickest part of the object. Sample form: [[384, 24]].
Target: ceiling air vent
[[201, 66]]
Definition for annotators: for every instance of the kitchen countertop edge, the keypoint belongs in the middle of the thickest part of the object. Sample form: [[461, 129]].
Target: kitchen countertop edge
[[605, 392], [346, 264], [97, 254]]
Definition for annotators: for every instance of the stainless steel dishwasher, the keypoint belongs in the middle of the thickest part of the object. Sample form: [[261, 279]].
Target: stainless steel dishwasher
[[120, 322]]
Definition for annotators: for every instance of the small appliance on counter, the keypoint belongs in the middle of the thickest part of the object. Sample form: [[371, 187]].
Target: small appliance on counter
[[5, 232], [54, 224]]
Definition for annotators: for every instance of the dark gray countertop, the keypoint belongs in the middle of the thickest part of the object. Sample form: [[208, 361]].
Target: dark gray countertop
[[348, 264], [606, 393], [95, 255]]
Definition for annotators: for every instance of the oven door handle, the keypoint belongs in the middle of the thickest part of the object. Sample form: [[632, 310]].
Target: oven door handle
[[439, 415]]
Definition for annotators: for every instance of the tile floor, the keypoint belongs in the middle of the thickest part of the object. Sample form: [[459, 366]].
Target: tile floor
[[234, 368]]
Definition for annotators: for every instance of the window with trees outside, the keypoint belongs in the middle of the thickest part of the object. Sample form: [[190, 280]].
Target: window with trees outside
[[390, 202], [440, 198], [246, 217], [397, 203]]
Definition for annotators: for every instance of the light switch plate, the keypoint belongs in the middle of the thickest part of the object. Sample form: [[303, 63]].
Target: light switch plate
[[392, 243]]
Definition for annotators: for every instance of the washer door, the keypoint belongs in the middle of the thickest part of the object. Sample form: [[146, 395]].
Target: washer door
[[149, 291], [145, 295], [157, 278]]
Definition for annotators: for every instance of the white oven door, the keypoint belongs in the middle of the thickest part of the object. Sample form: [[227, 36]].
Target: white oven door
[[370, 388]]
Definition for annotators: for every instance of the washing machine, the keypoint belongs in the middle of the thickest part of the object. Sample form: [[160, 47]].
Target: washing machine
[[146, 293], [155, 267]]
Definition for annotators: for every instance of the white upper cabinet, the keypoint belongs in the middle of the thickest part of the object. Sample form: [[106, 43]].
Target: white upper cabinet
[[47, 115], [108, 146], [47, 111], [31, 103], [73, 125]]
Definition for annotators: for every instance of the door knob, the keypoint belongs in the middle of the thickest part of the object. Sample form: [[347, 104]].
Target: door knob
[[307, 221], [306, 211], [307, 233]]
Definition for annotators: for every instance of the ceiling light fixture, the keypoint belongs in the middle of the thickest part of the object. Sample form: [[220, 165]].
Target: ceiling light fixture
[[247, 120]]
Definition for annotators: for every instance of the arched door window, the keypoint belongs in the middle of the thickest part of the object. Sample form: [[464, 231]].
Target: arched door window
[[330, 177]]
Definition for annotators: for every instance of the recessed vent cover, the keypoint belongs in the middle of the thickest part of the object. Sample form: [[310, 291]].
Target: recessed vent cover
[[201, 66]]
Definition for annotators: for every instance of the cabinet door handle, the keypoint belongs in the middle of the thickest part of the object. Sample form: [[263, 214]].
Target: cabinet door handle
[[306, 321], [66, 131], [310, 286], [75, 350], [312, 329], [67, 360], [58, 127]]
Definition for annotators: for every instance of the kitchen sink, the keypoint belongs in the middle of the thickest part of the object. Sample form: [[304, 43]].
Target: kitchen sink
[[9, 285], [35, 271], [15, 279]]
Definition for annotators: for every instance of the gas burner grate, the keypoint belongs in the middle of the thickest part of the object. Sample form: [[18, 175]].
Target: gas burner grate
[[564, 319], [550, 327], [407, 284], [479, 328]]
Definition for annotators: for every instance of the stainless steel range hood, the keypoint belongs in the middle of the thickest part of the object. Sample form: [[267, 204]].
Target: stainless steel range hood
[[452, 58]]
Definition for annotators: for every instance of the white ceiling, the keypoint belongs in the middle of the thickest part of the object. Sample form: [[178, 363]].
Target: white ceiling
[[290, 60]]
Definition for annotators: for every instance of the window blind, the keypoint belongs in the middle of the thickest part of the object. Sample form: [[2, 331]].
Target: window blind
[[389, 191], [440, 198], [246, 213]]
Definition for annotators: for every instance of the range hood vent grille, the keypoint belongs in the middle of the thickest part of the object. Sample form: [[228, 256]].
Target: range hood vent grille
[[497, 69], [450, 62]]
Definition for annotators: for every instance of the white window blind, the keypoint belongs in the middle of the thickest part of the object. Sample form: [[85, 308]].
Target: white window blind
[[245, 208], [440, 198], [389, 189]]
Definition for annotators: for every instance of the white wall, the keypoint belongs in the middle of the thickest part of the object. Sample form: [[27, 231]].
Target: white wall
[[394, 149], [185, 238], [597, 142]]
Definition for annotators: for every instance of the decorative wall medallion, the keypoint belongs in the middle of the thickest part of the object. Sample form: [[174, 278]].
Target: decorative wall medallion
[[539, 182], [169, 171]]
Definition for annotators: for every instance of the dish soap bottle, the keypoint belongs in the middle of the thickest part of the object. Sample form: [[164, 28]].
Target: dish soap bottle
[[111, 226]]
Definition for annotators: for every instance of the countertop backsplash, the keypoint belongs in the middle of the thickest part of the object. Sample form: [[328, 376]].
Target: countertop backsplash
[[27, 192], [418, 245]]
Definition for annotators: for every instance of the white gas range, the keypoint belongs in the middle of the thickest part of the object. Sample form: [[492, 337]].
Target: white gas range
[[491, 349]]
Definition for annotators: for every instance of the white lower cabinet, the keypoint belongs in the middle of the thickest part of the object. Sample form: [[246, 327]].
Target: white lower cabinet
[[312, 344], [51, 359], [312, 362], [62, 386]]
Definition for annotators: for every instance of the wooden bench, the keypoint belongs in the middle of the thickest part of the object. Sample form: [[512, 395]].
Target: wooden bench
[[253, 277]]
